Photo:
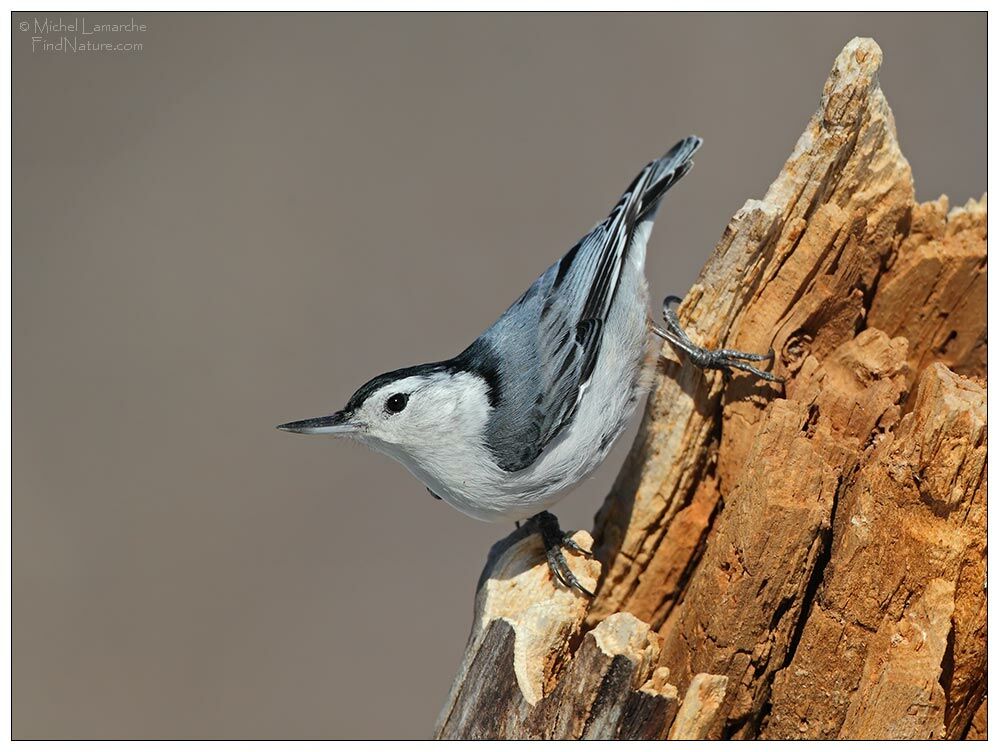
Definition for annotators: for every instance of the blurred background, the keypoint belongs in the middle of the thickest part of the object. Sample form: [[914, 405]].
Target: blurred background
[[240, 223]]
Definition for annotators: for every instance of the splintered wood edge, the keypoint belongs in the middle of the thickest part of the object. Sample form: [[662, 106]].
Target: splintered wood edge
[[596, 692], [556, 694], [519, 588], [700, 707], [624, 634]]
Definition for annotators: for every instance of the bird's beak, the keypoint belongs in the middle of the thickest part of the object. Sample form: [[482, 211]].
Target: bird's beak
[[337, 424]]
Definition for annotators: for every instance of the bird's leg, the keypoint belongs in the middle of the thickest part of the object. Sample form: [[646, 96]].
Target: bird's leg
[[554, 540], [722, 360]]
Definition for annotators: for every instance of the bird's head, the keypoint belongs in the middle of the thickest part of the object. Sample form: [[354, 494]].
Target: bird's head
[[410, 413]]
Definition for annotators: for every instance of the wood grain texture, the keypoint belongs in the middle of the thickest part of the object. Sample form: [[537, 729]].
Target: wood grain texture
[[911, 518]]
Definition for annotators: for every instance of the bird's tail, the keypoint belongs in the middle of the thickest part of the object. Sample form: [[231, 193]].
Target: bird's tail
[[664, 174]]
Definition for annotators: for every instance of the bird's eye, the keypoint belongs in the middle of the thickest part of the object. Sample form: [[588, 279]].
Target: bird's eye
[[396, 403]]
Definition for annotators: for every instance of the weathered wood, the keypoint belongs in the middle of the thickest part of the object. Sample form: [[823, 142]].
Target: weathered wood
[[978, 730], [613, 661], [524, 626], [899, 696], [649, 711], [791, 272], [913, 515], [702, 708], [796, 561], [746, 596], [941, 263]]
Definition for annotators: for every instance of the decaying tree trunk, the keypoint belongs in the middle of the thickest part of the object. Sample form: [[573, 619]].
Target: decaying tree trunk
[[796, 561]]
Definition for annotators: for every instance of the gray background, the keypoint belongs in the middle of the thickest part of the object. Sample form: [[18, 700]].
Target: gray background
[[243, 222]]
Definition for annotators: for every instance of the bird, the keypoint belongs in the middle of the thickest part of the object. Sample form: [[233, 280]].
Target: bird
[[506, 428]]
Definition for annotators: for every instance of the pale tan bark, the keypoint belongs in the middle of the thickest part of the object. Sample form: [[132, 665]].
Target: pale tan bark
[[796, 561]]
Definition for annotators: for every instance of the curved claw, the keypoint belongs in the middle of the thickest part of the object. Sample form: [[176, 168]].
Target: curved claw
[[560, 568], [569, 543], [671, 300], [577, 585]]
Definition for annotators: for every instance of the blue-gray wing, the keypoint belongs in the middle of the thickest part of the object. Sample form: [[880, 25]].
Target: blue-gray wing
[[543, 350]]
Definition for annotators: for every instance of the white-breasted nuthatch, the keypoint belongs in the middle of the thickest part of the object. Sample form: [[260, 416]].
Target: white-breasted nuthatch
[[506, 428]]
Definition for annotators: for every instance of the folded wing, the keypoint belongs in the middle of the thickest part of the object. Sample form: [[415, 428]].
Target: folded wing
[[547, 344]]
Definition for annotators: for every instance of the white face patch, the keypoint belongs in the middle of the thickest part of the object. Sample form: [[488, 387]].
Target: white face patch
[[425, 416], [439, 435]]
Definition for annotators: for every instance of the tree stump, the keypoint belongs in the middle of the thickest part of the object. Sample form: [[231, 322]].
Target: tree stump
[[804, 560]]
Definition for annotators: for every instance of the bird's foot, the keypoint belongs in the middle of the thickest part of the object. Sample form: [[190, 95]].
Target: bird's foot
[[723, 360], [554, 540]]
